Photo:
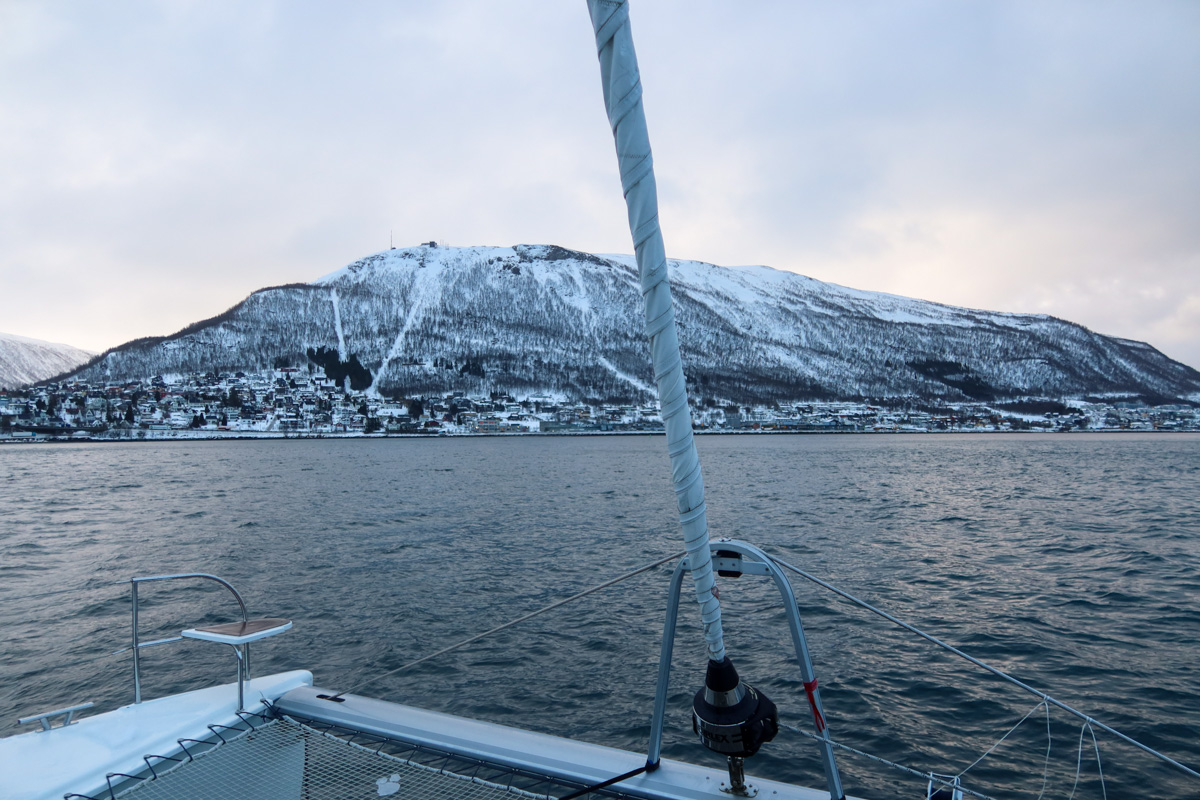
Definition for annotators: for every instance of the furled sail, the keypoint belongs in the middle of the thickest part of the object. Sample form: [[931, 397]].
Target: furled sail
[[623, 99]]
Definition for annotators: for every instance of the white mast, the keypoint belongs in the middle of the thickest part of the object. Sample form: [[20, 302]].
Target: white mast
[[623, 99]]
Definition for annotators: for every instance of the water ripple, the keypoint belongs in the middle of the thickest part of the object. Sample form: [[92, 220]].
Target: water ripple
[[1072, 561]]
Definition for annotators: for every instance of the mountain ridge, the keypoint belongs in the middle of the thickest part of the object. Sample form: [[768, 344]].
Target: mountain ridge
[[25, 361], [544, 319]]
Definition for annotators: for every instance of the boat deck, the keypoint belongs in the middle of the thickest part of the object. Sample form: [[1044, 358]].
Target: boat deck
[[75, 759], [295, 744], [570, 763]]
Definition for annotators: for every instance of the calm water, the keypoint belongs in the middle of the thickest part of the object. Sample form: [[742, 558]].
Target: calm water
[[1071, 561]]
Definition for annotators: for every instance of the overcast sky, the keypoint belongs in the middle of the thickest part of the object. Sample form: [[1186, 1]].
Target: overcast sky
[[161, 160]]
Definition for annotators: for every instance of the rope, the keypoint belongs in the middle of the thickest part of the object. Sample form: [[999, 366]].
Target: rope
[[517, 621], [605, 784], [1046, 762], [809, 688], [915, 773], [1000, 741], [1086, 728], [954, 782], [1099, 767], [988, 667]]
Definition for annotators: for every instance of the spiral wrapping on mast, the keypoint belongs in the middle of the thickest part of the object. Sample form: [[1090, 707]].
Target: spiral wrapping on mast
[[623, 100]]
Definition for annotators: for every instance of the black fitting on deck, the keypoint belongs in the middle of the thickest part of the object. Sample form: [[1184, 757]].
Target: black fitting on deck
[[731, 717]]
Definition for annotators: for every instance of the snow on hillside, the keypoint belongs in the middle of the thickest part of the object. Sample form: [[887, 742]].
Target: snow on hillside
[[543, 319], [24, 361]]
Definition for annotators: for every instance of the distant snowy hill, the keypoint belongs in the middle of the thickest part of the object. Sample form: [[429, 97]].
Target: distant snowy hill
[[536, 319], [24, 361]]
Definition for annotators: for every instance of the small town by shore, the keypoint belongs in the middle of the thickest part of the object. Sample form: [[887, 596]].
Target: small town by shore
[[297, 403]]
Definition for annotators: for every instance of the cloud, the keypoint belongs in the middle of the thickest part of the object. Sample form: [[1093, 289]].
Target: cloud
[[161, 161], [1008, 156]]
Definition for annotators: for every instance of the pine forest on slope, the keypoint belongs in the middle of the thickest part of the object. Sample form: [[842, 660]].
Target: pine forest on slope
[[540, 319]]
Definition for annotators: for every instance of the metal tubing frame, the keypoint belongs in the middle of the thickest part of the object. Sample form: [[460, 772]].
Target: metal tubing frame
[[753, 561], [243, 659], [242, 654]]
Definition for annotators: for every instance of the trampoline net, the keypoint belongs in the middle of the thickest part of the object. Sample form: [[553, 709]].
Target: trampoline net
[[286, 760]]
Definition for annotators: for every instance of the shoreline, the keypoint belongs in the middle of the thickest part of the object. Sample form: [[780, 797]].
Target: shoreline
[[246, 436]]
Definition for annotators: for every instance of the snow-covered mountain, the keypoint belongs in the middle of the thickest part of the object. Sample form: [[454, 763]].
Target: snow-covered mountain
[[24, 361], [541, 319]]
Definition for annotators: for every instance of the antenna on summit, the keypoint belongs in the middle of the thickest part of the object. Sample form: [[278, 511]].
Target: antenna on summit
[[391, 242]]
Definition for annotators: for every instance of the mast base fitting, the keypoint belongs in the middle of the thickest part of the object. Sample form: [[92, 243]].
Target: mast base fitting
[[731, 717], [737, 785]]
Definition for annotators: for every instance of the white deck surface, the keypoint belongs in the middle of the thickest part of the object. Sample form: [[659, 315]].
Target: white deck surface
[[47, 764], [536, 752]]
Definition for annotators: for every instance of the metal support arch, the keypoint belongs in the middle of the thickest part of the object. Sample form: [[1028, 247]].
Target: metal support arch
[[243, 663], [751, 561]]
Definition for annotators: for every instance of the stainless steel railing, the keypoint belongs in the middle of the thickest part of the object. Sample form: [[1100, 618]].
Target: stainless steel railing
[[736, 558], [136, 645]]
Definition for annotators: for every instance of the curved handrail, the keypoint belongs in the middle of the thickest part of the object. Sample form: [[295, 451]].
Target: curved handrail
[[750, 561], [135, 645], [237, 596]]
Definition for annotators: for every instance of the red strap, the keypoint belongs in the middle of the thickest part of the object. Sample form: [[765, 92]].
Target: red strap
[[809, 688]]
